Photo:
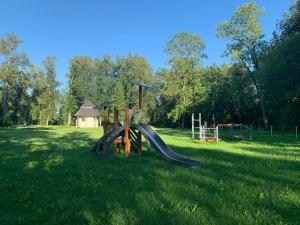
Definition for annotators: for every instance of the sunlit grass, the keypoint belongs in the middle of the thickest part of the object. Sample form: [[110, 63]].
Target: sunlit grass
[[48, 176]]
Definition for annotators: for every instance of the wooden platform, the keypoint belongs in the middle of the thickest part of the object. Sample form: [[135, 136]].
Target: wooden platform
[[205, 140]]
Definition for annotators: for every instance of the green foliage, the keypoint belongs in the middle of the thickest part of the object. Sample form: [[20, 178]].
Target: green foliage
[[133, 67], [104, 79], [185, 53], [14, 81], [81, 86], [261, 82], [229, 97], [246, 44], [245, 33], [44, 92], [290, 24], [281, 79], [185, 46]]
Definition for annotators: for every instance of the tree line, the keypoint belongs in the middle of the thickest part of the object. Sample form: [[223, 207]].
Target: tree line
[[259, 87]]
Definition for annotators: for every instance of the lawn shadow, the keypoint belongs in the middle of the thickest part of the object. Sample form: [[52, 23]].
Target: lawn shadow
[[279, 140], [57, 180]]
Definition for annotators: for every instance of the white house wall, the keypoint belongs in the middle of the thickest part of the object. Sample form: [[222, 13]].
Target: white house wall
[[88, 122]]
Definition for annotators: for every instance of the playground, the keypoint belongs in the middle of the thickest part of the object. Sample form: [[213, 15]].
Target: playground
[[49, 177], [150, 113]]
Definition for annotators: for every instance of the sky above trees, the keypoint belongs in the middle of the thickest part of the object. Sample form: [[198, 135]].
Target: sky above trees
[[69, 28]]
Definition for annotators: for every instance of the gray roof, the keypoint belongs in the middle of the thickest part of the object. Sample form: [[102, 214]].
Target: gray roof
[[87, 112], [87, 104], [88, 109]]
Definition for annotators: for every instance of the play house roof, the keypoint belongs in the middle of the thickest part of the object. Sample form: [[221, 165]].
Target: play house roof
[[88, 109]]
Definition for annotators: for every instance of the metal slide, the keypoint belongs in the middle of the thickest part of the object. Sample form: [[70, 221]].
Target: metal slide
[[161, 147]]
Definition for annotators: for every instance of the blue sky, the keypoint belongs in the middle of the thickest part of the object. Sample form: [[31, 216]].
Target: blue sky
[[90, 27]]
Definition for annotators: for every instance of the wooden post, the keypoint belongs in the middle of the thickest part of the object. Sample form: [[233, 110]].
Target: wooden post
[[139, 135], [115, 148], [140, 98], [127, 140], [193, 134], [296, 131]]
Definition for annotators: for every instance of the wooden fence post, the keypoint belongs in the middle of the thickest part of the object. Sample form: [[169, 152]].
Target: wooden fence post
[[127, 140]]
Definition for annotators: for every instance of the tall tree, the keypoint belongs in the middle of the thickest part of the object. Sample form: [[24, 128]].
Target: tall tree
[[14, 77], [290, 24], [185, 53], [132, 67], [51, 93], [44, 93], [280, 71], [247, 44], [104, 79], [81, 80]]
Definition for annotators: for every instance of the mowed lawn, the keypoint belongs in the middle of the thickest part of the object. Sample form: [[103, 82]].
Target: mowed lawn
[[49, 176]]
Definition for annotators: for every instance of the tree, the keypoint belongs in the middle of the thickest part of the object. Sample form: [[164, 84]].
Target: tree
[[45, 94], [104, 79], [51, 93], [280, 71], [280, 76], [14, 79], [132, 67], [38, 88], [185, 53], [247, 44], [229, 97], [290, 24], [81, 85]]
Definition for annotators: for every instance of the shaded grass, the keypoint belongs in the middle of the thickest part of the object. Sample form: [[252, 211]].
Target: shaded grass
[[48, 176]]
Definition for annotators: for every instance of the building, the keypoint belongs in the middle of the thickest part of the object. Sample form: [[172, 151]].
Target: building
[[87, 116]]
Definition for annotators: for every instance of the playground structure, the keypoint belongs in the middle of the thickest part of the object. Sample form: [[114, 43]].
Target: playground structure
[[205, 133], [130, 134], [235, 131]]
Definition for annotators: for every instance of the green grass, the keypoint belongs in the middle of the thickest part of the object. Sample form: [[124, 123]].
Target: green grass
[[48, 176]]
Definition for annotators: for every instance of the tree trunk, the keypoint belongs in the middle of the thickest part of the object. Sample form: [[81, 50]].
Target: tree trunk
[[69, 118], [183, 120], [4, 105], [262, 108], [48, 116], [47, 121], [259, 91]]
